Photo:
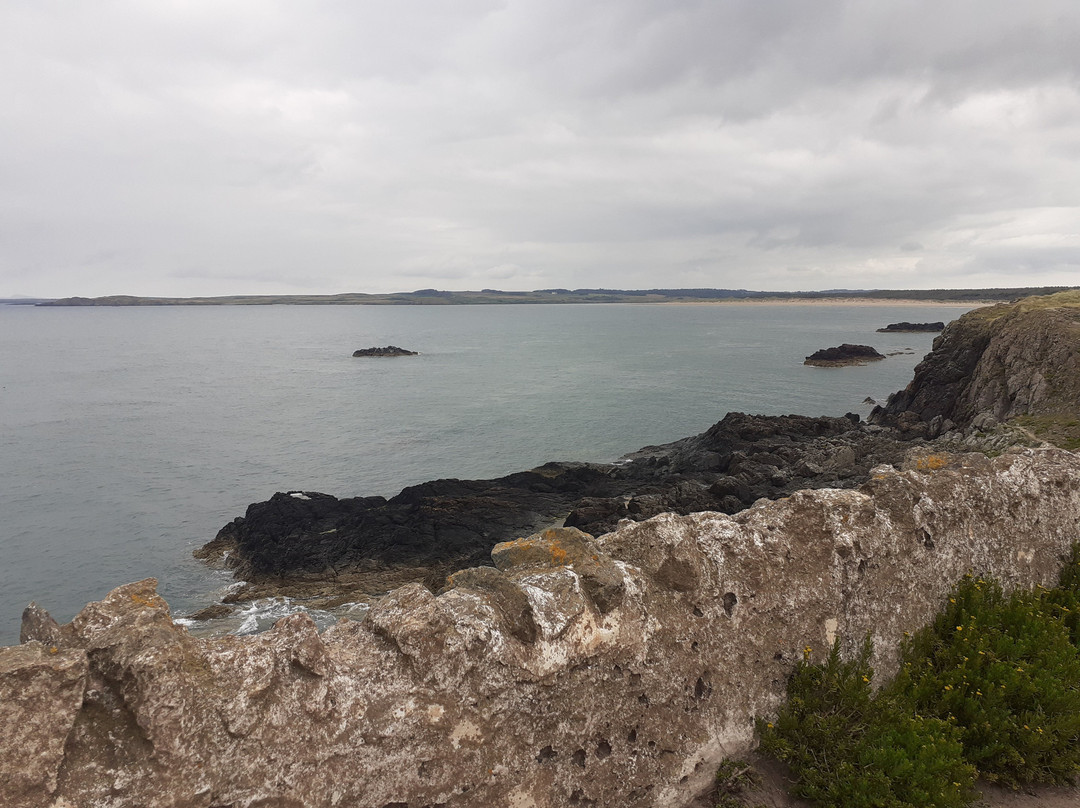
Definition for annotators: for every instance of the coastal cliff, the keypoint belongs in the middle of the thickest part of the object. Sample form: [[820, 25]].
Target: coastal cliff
[[1013, 363], [616, 670]]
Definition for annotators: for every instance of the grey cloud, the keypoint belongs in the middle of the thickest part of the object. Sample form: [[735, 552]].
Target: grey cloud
[[273, 147]]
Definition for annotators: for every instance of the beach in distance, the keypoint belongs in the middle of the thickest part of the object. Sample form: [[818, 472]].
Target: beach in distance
[[134, 433], [436, 297]]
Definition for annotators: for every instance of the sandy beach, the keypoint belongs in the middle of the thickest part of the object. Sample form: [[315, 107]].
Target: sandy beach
[[822, 301]]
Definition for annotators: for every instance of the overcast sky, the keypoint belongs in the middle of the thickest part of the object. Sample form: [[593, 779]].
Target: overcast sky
[[182, 147]]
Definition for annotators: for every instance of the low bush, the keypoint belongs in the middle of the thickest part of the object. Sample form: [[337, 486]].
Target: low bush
[[1005, 671], [1064, 599], [850, 747], [992, 686]]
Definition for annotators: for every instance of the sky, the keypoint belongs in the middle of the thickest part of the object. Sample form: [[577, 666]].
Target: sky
[[183, 147]]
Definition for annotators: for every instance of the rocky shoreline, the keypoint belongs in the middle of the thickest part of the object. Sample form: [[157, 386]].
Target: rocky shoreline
[[616, 664], [329, 550]]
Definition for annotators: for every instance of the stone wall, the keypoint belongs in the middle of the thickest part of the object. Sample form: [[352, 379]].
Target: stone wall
[[615, 671]]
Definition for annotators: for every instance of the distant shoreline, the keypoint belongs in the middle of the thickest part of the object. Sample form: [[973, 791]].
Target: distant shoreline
[[831, 301], [435, 297]]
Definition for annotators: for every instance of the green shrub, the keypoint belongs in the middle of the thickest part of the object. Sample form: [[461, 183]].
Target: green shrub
[[1064, 600], [850, 747], [1003, 670]]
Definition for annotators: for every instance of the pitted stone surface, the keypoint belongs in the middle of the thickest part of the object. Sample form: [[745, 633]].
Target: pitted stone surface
[[625, 694]]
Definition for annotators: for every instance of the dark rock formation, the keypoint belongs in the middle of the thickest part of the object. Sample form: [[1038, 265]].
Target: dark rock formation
[[1011, 362], [913, 328], [389, 350], [615, 671], [312, 544], [842, 355]]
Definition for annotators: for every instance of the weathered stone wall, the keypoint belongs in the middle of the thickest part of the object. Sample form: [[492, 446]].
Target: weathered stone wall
[[611, 672]]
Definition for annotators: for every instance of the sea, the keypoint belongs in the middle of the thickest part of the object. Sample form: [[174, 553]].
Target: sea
[[130, 436]]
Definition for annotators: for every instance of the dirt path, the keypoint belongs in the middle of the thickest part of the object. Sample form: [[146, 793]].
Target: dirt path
[[773, 779]]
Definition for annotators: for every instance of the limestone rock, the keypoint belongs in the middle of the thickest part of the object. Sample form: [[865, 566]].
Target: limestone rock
[[628, 697], [38, 624], [41, 692]]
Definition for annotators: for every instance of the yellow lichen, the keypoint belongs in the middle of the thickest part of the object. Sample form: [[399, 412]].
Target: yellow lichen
[[932, 462], [558, 553]]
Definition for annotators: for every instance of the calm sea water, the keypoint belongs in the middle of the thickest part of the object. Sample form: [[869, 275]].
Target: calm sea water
[[131, 435]]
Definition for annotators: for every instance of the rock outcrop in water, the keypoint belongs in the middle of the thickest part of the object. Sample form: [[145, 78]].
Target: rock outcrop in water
[[611, 671], [389, 350], [843, 355], [310, 544], [1016, 363], [912, 328]]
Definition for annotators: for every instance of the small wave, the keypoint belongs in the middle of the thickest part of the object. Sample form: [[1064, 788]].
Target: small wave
[[260, 615]]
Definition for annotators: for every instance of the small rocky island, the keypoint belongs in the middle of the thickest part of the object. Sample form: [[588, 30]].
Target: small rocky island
[[389, 350], [843, 355], [912, 328]]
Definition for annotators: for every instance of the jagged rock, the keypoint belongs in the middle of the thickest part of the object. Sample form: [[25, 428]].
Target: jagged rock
[[914, 328], [843, 355], [1000, 363], [41, 692], [571, 548], [38, 624], [628, 700], [389, 350], [307, 544]]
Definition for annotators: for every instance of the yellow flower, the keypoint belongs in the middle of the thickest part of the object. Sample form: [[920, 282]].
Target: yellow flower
[[959, 628]]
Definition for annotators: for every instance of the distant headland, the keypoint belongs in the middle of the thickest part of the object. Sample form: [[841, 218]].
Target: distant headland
[[435, 297]]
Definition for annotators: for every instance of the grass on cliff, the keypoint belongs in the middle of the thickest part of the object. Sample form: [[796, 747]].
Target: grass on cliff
[[990, 689], [1061, 430]]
